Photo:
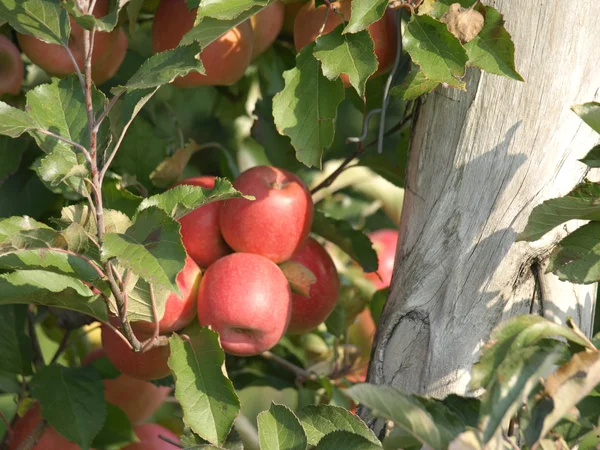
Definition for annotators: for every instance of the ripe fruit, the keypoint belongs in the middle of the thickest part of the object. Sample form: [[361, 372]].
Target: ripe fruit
[[266, 25], [50, 440], [138, 399], [108, 54], [200, 230], [225, 60], [277, 222], [309, 312], [309, 21], [178, 311], [247, 299], [150, 365], [292, 8], [149, 436], [384, 242], [11, 67]]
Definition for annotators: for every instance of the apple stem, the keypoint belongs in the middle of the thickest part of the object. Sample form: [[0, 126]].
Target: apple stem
[[299, 371], [31, 441], [169, 441]]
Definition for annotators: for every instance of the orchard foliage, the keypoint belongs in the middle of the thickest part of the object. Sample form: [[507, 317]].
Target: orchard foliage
[[96, 190]]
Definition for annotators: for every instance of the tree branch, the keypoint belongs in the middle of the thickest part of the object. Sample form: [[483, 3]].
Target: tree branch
[[35, 436], [299, 371], [68, 141]]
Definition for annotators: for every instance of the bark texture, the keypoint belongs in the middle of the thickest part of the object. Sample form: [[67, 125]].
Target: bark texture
[[479, 162]]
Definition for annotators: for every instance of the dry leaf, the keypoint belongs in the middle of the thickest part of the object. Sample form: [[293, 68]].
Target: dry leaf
[[464, 23]]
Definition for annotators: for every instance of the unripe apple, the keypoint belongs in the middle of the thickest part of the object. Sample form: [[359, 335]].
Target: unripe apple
[[309, 312], [179, 311], [225, 60], [384, 242], [309, 21], [11, 67], [247, 299], [150, 365], [138, 399], [200, 229], [361, 333], [277, 222], [266, 26], [149, 436], [50, 440], [107, 55]]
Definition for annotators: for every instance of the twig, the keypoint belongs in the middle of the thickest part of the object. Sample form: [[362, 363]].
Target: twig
[[68, 141], [61, 347], [110, 105], [331, 178], [154, 318], [299, 371], [169, 441], [92, 264], [388, 84], [38, 359], [77, 69], [32, 440], [9, 431]]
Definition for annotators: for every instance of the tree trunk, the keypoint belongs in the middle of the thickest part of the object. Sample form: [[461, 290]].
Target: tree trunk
[[479, 162]]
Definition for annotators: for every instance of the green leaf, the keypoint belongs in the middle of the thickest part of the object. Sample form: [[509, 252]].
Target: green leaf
[[437, 51], [353, 242], [352, 54], [364, 13], [16, 351], [118, 198], [512, 382], [592, 159], [114, 221], [169, 171], [590, 113], [13, 225], [88, 21], [565, 388], [511, 335], [62, 165], [44, 19], [493, 49], [139, 306], [11, 152], [279, 429], [227, 10], [117, 431], [346, 439], [127, 108], [306, 109], [207, 397], [50, 289], [336, 321], [72, 401], [207, 30], [582, 203], [133, 11], [320, 420], [577, 258], [13, 121], [414, 85], [164, 67], [150, 248], [183, 199]]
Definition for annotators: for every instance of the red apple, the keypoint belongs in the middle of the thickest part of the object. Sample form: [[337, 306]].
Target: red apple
[[178, 311], [108, 53], [50, 440], [149, 436], [11, 67], [150, 365], [266, 25], [245, 298], [309, 312], [384, 242], [277, 222], [138, 399], [309, 21], [225, 60], [200, 230]]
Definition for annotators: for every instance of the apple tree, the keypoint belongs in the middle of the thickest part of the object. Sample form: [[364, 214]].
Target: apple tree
[[220, 218]]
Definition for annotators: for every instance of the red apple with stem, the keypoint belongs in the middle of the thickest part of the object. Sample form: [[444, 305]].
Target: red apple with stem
[[150, 365], [277, 222], [246, 298], [384, 242], [310, 19], [138, 399], [225, 60], [179, 311], [107, 55], [149, 435], [200, 229], [266, 26], [50, 440], [11, 67], [309, 312]]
